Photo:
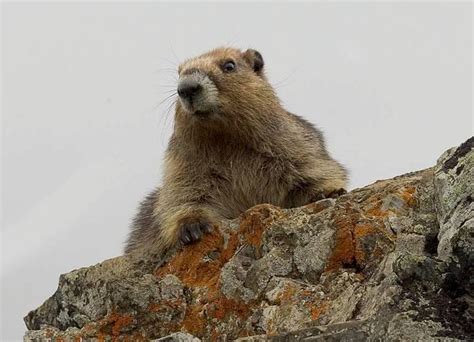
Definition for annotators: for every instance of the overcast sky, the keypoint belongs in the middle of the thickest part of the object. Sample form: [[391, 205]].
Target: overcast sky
[[84, 125]]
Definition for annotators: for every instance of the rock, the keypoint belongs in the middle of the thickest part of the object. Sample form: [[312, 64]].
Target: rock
[[393, 260]]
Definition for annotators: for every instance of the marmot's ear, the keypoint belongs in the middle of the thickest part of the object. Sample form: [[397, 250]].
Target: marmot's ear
[[255, 60]]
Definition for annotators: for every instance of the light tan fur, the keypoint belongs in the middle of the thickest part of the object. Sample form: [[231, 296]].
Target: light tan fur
[[246, 151]]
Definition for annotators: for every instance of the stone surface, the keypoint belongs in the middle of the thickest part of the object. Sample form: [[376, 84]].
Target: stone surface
[[392, 260]]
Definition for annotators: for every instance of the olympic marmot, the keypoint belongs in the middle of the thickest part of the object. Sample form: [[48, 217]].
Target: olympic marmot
[[233, 146]]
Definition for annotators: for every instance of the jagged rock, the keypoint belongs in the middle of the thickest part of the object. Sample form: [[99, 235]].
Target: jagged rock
[[392, 260]]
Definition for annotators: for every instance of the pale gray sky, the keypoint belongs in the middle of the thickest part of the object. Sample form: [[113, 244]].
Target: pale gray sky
[[83, 130]]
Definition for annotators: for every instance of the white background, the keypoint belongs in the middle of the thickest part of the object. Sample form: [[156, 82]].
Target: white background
[[83, 130]]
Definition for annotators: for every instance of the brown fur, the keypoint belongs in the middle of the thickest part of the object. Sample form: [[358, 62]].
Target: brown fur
[[250, 151]]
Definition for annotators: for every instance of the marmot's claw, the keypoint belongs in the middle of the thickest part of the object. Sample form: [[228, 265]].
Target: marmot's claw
[[191, 232]]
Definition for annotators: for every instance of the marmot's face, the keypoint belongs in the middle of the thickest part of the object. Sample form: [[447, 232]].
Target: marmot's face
[[221, 82]]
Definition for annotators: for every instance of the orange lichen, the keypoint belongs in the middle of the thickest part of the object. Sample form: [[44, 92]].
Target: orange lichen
[[165, 304], [377, 211], [110, 326], [191, 265], [254, 222], [194, 322], [373, 207], [119, 322], [223, 307], [408, 195], [343, 250], [362, 230], [317, 310], [358, 235]]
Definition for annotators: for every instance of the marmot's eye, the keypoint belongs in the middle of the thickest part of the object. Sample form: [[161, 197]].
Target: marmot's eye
[[228, 66]]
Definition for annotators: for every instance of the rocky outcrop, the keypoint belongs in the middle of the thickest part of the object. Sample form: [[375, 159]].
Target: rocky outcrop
[[393, 260]]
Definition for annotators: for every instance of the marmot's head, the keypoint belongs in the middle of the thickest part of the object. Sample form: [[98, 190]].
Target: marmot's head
[[223, 85]]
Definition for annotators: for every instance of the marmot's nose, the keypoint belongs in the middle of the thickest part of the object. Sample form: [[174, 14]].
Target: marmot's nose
[[188, 88]]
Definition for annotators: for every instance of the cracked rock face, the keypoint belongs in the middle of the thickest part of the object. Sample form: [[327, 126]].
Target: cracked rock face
[[393, 260]]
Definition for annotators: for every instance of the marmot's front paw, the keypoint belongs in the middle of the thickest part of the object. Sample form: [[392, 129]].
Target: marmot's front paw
[[193, 230]]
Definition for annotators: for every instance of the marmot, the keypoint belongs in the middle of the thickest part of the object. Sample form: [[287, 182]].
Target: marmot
[[233, 146]]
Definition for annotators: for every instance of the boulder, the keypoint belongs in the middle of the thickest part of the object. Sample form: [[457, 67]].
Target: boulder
[[392, 260]]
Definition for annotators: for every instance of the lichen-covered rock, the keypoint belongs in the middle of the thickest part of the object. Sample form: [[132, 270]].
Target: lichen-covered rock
[[392, 260]]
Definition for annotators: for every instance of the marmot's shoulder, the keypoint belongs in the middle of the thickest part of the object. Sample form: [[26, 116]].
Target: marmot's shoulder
[[310, 130]]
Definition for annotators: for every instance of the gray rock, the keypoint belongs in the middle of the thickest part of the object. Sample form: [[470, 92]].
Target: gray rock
[[390, 261], [454, 193], [276, 262]]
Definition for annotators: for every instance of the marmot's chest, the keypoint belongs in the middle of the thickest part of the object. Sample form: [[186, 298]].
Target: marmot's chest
[[246, 167], [242, 181]]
